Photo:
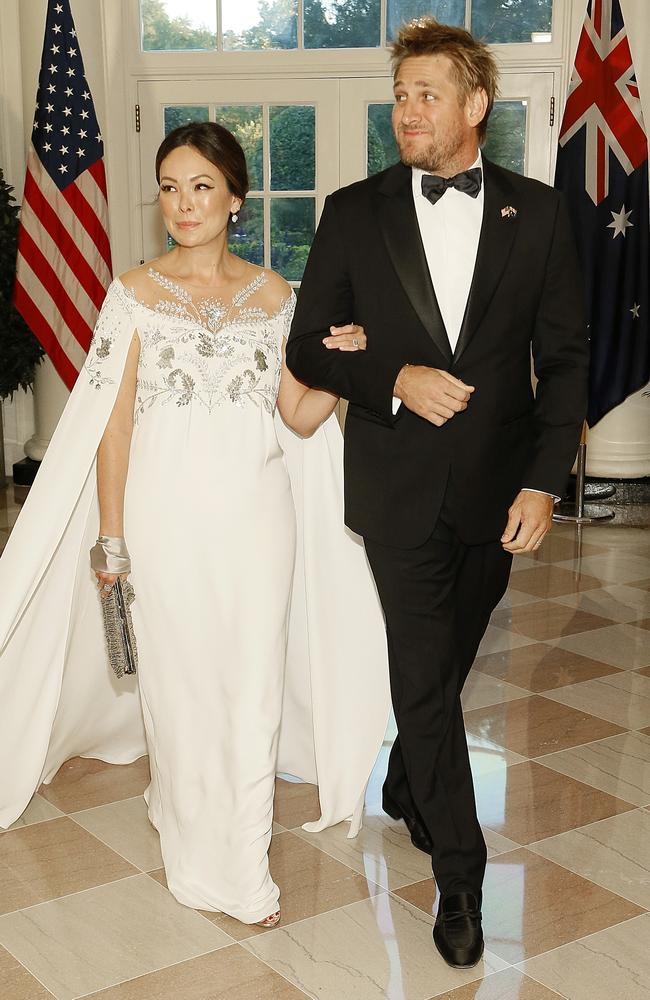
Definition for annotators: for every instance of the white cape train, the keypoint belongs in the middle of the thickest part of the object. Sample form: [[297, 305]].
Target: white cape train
[[58, 697]]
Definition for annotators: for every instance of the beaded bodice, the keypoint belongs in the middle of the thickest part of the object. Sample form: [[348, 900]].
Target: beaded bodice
[[203, 350]]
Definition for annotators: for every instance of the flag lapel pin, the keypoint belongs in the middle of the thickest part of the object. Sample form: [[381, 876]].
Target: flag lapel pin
[[508, 212]]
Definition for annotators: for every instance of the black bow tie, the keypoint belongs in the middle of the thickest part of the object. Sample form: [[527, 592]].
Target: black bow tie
[[469, 182]]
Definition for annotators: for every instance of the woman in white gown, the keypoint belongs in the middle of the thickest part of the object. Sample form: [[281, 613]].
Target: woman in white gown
[[176, 409]]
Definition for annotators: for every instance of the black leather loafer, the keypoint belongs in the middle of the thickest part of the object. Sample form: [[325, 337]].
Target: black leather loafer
[[419, 834], [457, 933]]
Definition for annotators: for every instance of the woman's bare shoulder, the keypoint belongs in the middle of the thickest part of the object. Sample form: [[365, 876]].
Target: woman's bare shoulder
[[276, 283], [138, 279]]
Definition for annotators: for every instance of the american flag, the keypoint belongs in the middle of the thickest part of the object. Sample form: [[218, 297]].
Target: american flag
[[64, 255], [602, 166]]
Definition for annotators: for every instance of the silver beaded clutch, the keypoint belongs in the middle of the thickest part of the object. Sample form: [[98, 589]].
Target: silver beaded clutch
[[118, 628]]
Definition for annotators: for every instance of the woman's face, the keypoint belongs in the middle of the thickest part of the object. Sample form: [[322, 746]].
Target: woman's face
[[195, 200]]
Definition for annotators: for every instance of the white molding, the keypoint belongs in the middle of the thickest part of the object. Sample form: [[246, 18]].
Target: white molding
[[12, 146], [122, 150]]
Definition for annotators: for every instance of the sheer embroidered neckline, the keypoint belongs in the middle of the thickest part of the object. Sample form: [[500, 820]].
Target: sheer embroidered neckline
[[185, 296], [210, 312]]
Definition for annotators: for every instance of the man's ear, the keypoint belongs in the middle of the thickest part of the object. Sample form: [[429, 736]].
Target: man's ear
[[476, 107]]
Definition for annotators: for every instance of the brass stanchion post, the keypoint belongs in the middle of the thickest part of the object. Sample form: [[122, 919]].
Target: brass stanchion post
[[583, 513]]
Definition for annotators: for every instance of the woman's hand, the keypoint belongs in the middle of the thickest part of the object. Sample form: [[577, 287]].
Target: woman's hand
[[105, 581], [346, 338]]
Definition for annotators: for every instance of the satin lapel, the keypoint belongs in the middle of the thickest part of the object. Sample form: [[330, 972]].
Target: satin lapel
[[495, 243], [399, 226]]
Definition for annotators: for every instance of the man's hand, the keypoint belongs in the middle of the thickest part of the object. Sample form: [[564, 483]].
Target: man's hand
[[529, 519], [432, 393]]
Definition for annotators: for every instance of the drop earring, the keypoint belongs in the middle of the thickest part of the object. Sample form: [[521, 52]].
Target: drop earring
[[234, 217]]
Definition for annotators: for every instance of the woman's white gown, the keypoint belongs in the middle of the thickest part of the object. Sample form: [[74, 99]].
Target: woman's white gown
[[241, 567]]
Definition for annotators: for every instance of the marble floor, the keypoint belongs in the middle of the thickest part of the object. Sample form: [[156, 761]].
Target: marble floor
[[558, 720]]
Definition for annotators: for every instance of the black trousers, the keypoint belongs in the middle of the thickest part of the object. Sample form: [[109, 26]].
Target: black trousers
[[437, 600]]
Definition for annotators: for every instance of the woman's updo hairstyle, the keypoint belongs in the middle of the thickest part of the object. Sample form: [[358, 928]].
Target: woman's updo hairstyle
[[217, 145]]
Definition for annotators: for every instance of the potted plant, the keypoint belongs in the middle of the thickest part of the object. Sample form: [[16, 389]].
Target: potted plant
[[20, 351]]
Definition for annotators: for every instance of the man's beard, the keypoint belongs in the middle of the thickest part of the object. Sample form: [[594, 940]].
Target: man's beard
[[433, 158]]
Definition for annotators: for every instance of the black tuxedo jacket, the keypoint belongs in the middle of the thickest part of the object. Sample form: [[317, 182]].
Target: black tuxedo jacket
[[367, 265]]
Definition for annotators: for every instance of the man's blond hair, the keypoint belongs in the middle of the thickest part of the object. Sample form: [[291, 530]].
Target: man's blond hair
[[474, 66]]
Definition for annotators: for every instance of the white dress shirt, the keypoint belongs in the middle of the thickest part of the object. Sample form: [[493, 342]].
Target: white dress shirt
[[450, 232]]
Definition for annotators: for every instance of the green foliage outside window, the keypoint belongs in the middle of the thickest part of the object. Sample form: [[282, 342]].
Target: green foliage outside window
[[162, 32], [277, 28], [342, 23], [506, 138]]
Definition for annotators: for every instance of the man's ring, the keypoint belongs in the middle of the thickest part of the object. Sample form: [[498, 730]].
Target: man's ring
[[107, 587], [355, 341]]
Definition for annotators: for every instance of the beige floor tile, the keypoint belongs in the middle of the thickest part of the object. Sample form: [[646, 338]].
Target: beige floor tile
[[481, 690], [534, 725], [39, 810], [614, 853], [53, 859], [530, 802], [541, 666], [511, 984], [83, 783], [229, 974], [378, 949], [513, 598], [546, 580], [16, 983], [619, 765], [8, 517], [382, 851], [310, 882], [496, 844], [484, 759], [531, 905], [559, 548], [546, 619], [496, 640], [95, 939], [295, 803], [643, 623], [618, 603], [613, 964], [523, 562], [617, 535], [622, 698], [422, 894], [614, 566], [641, 584], [624, 646], [125, 827]]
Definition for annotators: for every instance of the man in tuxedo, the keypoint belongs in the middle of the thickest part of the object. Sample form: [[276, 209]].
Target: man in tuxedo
[[455, 268]]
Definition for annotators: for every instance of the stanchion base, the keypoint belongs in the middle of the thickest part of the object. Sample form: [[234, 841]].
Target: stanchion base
[[592, 514]]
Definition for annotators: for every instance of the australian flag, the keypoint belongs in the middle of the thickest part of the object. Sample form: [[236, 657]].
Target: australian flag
[[602, 167]]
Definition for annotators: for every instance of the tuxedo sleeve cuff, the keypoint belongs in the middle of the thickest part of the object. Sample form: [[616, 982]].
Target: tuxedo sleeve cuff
[[527, 489]]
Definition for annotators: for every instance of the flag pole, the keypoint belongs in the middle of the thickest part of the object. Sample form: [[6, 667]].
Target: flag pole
[[582, 513]]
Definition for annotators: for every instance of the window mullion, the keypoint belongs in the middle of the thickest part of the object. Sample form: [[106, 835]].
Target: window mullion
[[266, 182], [383, 28], [468, 14], [301, 24], [219, 27]]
